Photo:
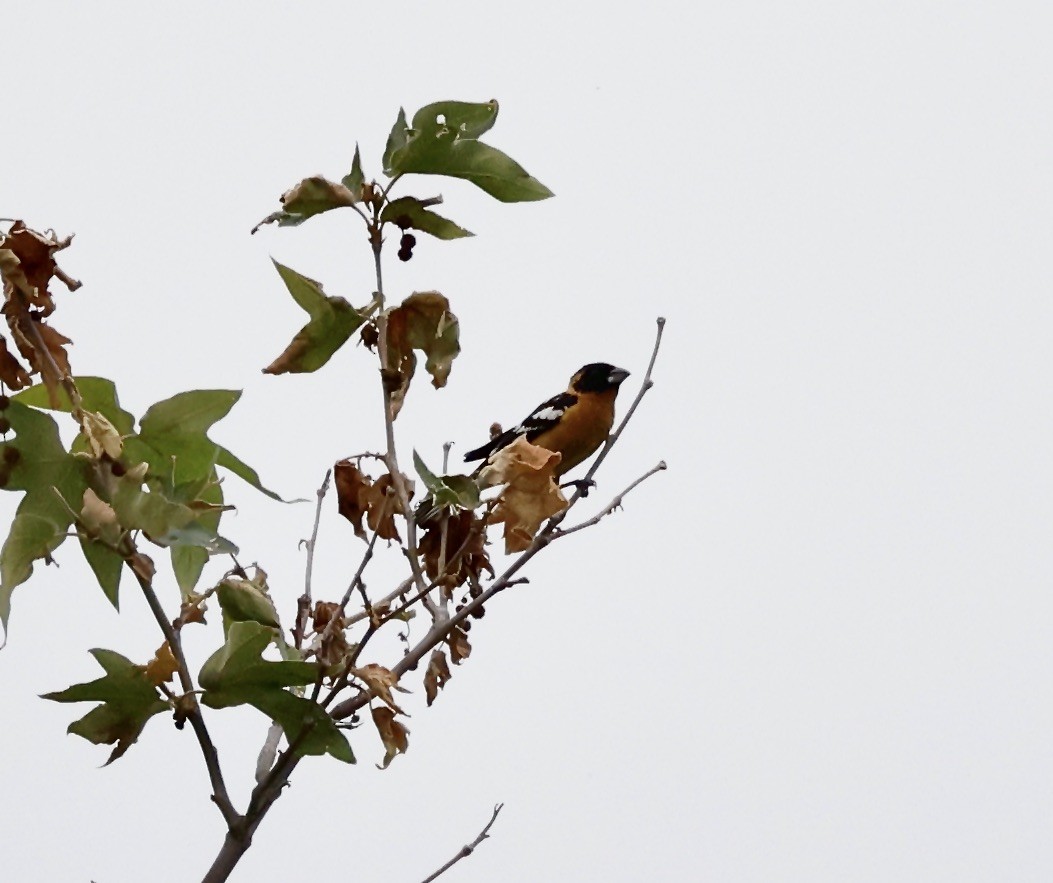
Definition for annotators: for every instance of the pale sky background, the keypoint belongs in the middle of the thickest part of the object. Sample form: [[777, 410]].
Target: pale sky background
[[817, 649]]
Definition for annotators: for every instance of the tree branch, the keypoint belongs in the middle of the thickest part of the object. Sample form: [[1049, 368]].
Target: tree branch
[[609, 509], [220, 797], [469, 848]]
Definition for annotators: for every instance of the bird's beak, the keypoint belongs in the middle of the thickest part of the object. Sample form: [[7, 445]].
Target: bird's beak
[[617, 376]]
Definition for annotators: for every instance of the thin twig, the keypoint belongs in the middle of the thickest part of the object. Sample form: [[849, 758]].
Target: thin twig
[[304, 604], [613, 438], [197, 721], [469, 848], [613, 505]]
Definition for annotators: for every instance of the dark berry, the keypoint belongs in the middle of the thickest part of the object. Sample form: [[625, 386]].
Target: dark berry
[[11, 455], [408, 240], [405, 254], [117, 468]]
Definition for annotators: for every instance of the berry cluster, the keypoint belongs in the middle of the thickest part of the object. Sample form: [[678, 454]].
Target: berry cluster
[[406, 244]]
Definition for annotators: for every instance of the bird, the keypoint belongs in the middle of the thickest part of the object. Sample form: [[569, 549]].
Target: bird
[[573, 423]]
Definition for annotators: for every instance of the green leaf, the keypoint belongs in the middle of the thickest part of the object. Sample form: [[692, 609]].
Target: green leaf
[[455, 491], [246, 473], [188, 561], [238, 675], [107, 566], [396, 140], [408, 211], [97, 394], [187, 564], [177, 429], [444, 141], [239, 664], [333, 321], [243, 600], [354, 180], [32, 537], [129, 701], [53, 480]]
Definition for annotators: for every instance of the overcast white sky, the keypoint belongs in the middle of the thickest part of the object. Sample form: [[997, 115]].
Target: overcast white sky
[[818, 648]]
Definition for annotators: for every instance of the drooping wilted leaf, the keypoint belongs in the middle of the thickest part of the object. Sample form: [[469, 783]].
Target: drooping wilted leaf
[[423, 321], [393, 734], [312, 196]]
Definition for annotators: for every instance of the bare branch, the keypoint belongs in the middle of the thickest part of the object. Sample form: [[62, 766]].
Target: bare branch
[[610, 508], [612, 440], [197, 721], [469, 848]]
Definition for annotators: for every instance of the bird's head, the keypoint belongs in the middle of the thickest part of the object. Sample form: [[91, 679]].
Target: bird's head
[[597, 377]]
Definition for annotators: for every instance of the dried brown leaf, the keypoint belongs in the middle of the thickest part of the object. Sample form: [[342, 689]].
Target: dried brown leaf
[[423, 321], [465, 549], [163, 666], [457, 640], [531, 495], [436, 676], [393, 734], [381, 681]]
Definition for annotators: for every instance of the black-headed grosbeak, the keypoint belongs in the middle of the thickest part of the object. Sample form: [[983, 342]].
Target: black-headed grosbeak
[[574, 423]]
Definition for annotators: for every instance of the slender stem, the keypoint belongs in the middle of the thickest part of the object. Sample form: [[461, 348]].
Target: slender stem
[[304, 603], [197, 720], [644, 387], [611, 506], [468, 848]]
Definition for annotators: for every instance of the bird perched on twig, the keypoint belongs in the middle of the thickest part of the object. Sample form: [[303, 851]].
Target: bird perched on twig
[[574, 423]]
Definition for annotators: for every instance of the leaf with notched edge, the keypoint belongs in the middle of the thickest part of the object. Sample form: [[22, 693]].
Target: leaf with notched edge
[[381, 681], [444, 140], [237, 674], [333, 320], [128, 698]]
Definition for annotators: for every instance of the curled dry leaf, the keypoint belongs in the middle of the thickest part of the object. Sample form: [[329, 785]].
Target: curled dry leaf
[[11, 371], [393, 734], [98, 519], [162, 667], [102, 436], [531, 495], [358, 495], [423, 321], [457, 640], [381, 681], [27, 265], [436, 676], [323, 614], [465, 549]]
